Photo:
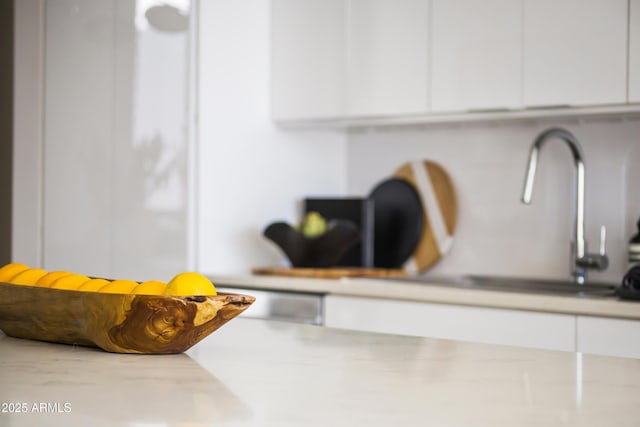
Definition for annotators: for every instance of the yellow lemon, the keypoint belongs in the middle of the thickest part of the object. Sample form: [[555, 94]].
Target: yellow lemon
[[70, 282], [30, 276], [190, 283], [121, 286], [150, 287], [10, 270], [46, 280], [93, 285]]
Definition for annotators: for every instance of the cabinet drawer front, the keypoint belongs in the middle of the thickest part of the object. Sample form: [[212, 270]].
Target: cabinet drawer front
[[610, 337], [280, 305], [475, 324]]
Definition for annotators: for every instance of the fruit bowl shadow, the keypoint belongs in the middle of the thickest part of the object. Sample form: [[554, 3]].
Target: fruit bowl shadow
[[323, 251]]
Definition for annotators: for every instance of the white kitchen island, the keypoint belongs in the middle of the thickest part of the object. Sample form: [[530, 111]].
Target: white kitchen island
[[263, 373]]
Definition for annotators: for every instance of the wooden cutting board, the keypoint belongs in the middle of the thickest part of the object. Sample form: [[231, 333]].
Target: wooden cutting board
[[328, 273], [438, 196]]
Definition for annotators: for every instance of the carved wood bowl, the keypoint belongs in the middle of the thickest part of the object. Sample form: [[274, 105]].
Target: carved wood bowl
[[119, 323]]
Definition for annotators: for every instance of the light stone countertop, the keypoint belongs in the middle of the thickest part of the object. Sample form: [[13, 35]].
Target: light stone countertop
[[437, 292], [271, 374]]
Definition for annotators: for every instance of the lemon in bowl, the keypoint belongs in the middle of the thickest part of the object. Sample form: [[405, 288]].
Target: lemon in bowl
[[69, 282], [190, 284], [30, 276], [47, 280], [10, 270], [120, 286], [150, 287], [93, 285]]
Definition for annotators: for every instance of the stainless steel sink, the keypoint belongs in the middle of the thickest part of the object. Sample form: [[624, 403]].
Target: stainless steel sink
[[521, 285]]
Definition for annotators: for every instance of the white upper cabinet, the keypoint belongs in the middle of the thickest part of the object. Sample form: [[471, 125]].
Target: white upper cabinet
[[634, 51], [308, 59], [575, 52], [388, 44], [476, 55], [404, 59]]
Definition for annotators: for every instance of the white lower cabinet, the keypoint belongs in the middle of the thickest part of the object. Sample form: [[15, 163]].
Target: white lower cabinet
[[611, 337], [567, 332], [476, 324]]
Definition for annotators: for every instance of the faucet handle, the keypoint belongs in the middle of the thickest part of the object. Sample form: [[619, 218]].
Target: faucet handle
[[598, 261], [603, 240]]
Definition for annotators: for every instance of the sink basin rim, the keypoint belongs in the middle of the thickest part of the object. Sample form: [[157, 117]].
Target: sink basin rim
[[520, 285]]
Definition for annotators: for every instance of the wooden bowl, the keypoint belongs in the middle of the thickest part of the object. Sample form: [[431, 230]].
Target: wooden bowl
[[119, 323]]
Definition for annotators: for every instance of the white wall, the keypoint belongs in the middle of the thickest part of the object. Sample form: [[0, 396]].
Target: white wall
[[250, 173], [496, 233]]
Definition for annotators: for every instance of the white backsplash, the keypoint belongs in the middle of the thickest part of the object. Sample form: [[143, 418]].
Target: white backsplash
[[496, 234]]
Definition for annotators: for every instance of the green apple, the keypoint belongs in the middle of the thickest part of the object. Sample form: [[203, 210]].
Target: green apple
[[313, 224]]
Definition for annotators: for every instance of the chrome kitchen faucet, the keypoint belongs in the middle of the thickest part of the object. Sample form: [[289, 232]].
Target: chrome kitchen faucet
[[580, 259]]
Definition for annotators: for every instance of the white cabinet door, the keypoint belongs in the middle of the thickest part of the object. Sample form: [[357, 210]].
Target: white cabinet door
[[610, 337], [575, 52], [634, 51], [476, 55], [114, 162], [476, 324], [78, 162], [308, 59], [387, 57]]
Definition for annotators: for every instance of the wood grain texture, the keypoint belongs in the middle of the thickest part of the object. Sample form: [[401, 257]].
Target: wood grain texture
[[328, 273], [428, 252], [119, 323]]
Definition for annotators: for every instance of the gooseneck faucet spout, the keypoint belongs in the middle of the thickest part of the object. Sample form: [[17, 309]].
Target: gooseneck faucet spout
[[580, 260], [578, 160]]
